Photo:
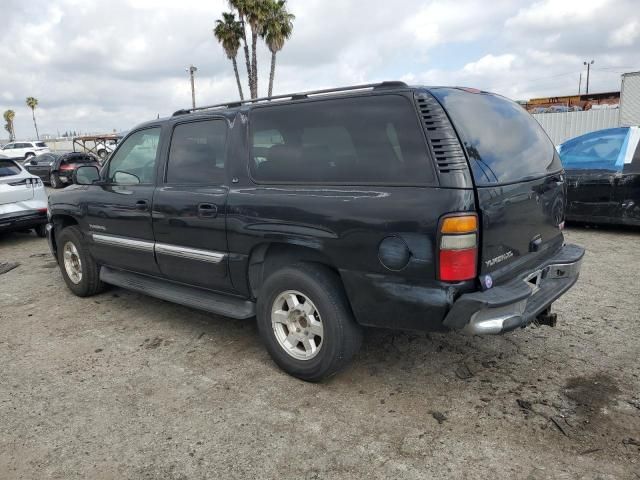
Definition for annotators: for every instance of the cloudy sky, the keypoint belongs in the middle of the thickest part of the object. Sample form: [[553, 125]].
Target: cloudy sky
[[104, 65]]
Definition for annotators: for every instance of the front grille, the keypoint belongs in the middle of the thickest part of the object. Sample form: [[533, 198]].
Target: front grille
[[441, 136]]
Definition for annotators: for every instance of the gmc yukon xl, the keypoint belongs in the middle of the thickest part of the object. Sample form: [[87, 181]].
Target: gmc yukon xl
[[383, 205]]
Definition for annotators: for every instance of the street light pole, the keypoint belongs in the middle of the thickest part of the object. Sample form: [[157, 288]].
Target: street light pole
[[191, 71], [588, 64]]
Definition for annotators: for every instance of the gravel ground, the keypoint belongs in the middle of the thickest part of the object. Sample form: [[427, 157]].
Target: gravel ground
[[126, 386]]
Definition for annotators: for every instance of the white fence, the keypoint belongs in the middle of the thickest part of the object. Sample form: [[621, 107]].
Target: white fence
[[565, 125]]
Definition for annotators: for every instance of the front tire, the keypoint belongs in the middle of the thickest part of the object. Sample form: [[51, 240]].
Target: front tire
[[306, 323], [54, 181], [80, 271]]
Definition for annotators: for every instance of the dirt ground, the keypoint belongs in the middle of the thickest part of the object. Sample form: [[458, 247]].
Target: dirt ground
[[126, 386]]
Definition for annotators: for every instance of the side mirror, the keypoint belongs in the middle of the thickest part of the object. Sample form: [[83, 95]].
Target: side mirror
[[87, 175], [33, 162]]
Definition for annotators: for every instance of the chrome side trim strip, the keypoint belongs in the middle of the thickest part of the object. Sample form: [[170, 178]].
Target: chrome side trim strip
[[115, 241], [190, 253]]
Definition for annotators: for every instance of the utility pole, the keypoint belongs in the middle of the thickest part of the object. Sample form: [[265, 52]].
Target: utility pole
[[588, 64], [580, 84], [191, 71]]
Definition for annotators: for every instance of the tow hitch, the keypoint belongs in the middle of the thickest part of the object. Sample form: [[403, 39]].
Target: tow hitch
[[547, 318]]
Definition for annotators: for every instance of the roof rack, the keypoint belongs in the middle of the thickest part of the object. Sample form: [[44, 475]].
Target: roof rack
[[294, 96]]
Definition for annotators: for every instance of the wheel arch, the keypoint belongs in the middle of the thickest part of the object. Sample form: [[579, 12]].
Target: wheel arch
[[59, 222], [268, 257]]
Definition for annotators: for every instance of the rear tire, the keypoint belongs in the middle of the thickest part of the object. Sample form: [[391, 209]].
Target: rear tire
[[80, 271], [306, 323], [41, 230], [54, 181]]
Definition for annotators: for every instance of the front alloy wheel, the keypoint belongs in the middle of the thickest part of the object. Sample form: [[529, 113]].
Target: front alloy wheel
[[72, 262]]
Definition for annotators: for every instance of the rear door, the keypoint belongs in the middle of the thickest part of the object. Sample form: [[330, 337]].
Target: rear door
[[189, 207], [518, 178], [593, 164]]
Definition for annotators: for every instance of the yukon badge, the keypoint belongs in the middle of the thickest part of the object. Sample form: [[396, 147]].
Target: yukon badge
[[499, 258]]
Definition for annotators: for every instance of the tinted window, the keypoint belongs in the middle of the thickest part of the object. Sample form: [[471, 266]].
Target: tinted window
[[78, 158], [601, 150], [134, 162], [505, 144], [374, 139], [23, 145], [197, 153], [41, 144], [9, 146], [7, 168]]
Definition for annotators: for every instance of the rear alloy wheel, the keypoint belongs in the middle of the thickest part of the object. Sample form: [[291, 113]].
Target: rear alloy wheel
[[306, 323], [79, 269], [102, 154], [54, 181]]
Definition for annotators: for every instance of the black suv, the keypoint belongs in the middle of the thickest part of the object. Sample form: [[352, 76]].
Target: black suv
[[321, 212]]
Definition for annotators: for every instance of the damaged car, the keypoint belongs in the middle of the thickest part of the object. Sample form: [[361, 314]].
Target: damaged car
[[603, 176]]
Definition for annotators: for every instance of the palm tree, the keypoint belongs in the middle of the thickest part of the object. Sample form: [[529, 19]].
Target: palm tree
[[241, 7], [278, 27], [9, 115], [256, 12], [32, 103], [228, 32]]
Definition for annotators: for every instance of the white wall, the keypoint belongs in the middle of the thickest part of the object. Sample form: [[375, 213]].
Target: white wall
[[566, 125]]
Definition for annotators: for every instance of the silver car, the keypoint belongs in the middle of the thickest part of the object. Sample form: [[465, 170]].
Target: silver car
[[23, 199]]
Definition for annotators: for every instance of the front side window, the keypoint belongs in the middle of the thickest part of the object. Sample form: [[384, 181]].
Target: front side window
[[598, 150], [362, 140], [135, 161], [197, 153], [8, 146]]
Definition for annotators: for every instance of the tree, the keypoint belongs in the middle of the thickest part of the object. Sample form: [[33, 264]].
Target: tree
[[9, 115], [229, 32], [257, 11], [278, 28], [241, 7], [32, 103], [267, 19]]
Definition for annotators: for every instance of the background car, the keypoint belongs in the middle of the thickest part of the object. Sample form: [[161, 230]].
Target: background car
[[24, 150], [603, 176], [23, 199], [57, 169]]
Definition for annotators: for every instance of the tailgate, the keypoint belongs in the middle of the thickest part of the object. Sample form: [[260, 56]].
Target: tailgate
[[518, 179], [15, 183]]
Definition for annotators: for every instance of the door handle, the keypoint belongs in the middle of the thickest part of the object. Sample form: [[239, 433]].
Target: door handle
[[207, 210], [141, 205]]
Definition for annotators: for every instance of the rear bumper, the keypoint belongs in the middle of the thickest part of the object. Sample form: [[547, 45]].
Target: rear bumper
[[518, 302], [22, 220]]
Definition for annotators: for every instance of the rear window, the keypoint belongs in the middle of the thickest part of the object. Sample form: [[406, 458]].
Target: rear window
[[73, 159], [505, 144], [366, 140], [8, 168]]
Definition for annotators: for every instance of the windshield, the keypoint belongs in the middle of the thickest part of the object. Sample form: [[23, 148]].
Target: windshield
[[505, 144]]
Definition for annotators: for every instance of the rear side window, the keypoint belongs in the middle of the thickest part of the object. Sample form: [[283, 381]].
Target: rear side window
[[197, 153], [41, 145], [601, 150], [8, 168], [504, 143], [366, 140]]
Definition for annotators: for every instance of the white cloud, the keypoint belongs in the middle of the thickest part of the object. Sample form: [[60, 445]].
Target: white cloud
[[98, 65]]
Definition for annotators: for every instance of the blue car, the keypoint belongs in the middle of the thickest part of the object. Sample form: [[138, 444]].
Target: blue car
[[603, 176]]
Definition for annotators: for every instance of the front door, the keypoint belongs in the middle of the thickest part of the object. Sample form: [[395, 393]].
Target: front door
[[118, 211], [189, 207], [40, 166]]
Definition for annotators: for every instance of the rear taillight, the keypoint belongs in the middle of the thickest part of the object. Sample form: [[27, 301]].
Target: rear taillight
[[66, 167], [458, 256]]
